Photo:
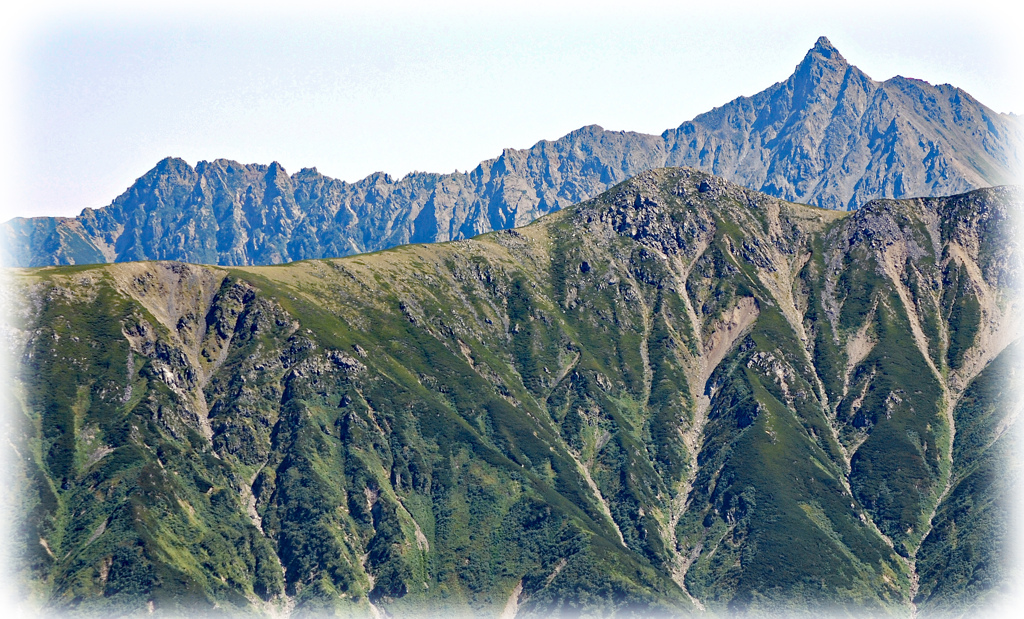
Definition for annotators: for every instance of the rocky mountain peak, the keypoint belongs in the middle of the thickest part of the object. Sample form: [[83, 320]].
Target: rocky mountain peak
[[814, 138], [822, 59], [276, 170], [824, 54], [824, 48], [172, 166]]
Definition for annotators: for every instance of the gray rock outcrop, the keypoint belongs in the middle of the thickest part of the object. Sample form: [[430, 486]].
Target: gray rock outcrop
[[829, 135]]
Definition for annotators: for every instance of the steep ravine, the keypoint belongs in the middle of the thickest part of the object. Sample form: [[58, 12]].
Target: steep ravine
[[680, 396]]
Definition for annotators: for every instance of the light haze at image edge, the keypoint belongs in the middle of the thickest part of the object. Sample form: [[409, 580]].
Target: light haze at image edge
[[92, 178]]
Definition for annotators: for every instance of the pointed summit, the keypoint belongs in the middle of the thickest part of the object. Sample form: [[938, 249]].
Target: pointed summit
[[824, 51], [811, 137], [824, 46], [820, 72]]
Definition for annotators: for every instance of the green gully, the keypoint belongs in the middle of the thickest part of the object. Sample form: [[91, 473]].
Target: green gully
[[680, 397]]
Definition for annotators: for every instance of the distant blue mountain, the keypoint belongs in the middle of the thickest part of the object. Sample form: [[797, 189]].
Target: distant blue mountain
[[829, 136]]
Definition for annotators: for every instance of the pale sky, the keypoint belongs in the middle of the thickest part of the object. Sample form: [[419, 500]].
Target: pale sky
[[93, 98]]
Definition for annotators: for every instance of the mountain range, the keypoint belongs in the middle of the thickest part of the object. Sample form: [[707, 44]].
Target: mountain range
[[828, 135], [679, 397]]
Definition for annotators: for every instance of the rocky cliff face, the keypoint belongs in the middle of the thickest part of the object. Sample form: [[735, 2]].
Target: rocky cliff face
[[828, 136], [833, 137], [679, 395]]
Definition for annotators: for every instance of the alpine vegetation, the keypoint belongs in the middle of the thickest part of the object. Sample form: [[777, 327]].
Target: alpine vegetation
[[681, 397]]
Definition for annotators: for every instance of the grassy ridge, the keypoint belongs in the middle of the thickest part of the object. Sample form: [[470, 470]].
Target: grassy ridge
[[680, 390]]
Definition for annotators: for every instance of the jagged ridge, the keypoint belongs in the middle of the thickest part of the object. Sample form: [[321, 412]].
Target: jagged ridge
[[829, 135]]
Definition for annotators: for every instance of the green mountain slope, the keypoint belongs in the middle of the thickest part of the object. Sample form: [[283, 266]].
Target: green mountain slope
[[679, 397]]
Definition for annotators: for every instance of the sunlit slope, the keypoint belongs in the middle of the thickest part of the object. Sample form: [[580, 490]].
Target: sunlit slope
[[679, 396], [827, 135]]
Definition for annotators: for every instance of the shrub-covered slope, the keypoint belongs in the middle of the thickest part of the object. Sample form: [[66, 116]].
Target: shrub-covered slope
[[679, 397]]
